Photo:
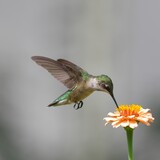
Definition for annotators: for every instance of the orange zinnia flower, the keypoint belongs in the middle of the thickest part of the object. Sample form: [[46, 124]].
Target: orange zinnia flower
[[129, 115]]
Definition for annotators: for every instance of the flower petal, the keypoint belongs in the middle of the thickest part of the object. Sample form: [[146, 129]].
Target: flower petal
[[125, 123], [113, 114], [133, 124]]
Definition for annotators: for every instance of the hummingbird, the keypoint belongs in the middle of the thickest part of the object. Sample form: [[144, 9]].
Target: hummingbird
[[79, 82]]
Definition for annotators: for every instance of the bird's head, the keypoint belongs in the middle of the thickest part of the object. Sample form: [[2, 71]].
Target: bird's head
[[105, 84]]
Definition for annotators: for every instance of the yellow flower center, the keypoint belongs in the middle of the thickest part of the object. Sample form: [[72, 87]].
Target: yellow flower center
[[128, 110]]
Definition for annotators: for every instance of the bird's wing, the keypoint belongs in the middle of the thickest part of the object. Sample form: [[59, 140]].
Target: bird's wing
[[64, 71]]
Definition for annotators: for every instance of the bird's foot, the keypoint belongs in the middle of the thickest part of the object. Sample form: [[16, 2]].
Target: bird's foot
[[78, 105]]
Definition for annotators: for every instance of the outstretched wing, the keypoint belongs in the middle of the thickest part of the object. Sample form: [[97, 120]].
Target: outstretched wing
[[64, 71]]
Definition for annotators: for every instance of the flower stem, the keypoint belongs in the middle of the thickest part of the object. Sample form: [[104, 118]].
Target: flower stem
[[129, 133]]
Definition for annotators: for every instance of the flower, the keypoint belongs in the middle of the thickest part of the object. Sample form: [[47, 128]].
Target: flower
[[129, 115]]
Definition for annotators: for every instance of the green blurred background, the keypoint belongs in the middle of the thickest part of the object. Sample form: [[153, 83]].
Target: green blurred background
[[117, 38]]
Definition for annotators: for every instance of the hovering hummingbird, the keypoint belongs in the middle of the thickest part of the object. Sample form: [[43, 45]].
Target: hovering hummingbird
[[79, 82]]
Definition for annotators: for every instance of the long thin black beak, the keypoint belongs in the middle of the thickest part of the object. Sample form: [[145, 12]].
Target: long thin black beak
[[111, 93], [114, 99]]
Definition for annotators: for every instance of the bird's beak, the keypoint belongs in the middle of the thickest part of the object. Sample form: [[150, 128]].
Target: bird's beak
[[112, 95]]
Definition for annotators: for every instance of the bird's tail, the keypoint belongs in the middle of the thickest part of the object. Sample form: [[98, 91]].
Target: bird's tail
[[54, 103]]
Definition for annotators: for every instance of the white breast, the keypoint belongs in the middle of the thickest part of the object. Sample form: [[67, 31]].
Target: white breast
[[92, 82]]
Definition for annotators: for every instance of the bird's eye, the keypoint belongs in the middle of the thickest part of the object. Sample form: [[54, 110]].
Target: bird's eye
[[106, 87]]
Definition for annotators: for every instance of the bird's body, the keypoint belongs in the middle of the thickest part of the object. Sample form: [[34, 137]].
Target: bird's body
[[74, 95], [80, 83]]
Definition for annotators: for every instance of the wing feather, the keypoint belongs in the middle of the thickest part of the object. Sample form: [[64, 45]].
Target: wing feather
[[64, 71]]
